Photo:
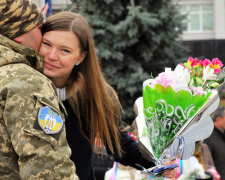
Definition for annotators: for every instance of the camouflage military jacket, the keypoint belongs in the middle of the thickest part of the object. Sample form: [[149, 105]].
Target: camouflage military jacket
[[27, 149]]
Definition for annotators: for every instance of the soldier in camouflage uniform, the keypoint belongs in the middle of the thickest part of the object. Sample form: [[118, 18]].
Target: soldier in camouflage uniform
[[32, 134]]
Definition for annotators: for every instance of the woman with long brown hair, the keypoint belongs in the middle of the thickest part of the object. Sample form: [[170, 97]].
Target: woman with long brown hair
[[70, 61]]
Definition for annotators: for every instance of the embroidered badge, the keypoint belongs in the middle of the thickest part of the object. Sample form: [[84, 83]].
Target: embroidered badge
[[49, 120]]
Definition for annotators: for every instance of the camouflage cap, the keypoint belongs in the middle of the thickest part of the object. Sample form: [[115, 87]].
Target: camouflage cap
[[18, 17]]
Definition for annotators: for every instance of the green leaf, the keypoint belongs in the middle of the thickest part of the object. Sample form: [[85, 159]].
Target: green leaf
[[199, 81], [221, 76], [187, 65], [215, 85]]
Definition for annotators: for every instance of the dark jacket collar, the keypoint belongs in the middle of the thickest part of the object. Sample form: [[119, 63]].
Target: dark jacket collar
[[220, 133]]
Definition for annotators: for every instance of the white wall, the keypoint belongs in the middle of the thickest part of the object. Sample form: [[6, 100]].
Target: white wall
[[60, 4], [218, 19]]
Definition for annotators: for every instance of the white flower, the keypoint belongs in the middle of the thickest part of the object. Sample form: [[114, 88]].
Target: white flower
[[208, 74], [182, 78], [182, 74]]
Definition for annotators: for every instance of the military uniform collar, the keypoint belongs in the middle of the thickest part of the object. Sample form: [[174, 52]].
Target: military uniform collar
[[33, 57]]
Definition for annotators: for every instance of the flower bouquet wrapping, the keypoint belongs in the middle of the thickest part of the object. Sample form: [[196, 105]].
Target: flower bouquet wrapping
[[175, 109]]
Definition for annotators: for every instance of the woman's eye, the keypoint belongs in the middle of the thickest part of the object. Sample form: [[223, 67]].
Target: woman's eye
[[65, 50], [45, 43]]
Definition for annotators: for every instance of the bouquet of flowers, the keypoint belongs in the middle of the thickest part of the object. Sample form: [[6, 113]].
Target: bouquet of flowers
[[176, 105]]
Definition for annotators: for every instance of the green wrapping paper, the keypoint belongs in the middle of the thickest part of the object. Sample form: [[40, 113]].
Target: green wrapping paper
[[166, 112]]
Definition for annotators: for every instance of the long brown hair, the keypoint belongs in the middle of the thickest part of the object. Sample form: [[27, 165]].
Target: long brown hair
[[87, 87]]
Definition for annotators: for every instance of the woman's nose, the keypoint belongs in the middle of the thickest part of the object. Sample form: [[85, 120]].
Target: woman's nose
[[53, 54]]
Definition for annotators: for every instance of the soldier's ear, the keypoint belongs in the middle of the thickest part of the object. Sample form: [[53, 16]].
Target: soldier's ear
[[18, 39]]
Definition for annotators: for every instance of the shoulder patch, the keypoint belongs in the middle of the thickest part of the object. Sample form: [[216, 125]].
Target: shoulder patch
[[49, 120]]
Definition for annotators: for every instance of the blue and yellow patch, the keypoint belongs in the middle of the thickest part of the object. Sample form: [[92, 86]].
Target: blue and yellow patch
[[49, 120]]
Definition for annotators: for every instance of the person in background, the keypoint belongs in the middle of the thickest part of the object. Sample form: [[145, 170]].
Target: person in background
[[202, 153], [216, 142], [93, 107], [30, 147]]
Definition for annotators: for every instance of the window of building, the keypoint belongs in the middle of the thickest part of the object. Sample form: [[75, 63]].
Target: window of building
[[199, 17]]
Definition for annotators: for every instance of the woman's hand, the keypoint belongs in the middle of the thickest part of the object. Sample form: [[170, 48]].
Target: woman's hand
[[170, 173]]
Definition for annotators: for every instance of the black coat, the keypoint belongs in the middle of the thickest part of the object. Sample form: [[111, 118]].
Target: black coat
[[216, 144], [82, 152]]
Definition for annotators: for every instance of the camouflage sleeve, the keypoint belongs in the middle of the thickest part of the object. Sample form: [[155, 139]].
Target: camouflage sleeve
[[40, 155]]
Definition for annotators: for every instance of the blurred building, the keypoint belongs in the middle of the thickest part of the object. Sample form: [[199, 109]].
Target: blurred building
[[205, 27]]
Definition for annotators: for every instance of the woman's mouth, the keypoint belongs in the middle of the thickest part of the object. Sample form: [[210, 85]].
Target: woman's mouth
[[49, 66]]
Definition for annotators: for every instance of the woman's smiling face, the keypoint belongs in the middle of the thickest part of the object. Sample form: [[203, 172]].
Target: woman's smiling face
[[60, 51]]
